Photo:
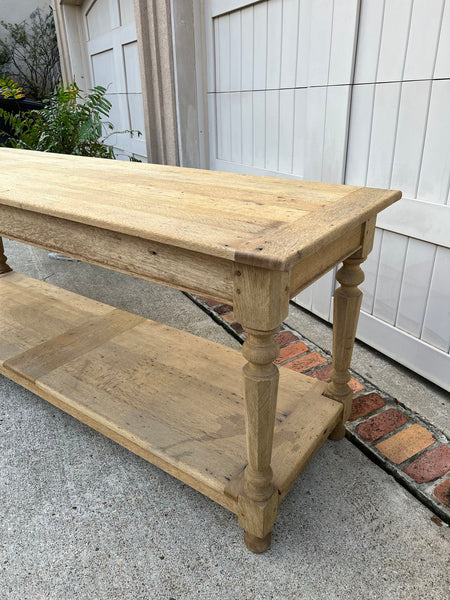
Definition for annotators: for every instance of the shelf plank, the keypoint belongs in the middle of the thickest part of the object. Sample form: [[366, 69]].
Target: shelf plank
[[170, 397]]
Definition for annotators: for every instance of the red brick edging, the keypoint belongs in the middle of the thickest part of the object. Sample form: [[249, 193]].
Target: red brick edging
[[413, 451]]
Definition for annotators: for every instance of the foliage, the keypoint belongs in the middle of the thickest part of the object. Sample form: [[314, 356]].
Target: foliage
[[29, 54], [10, 89], [72, 122]]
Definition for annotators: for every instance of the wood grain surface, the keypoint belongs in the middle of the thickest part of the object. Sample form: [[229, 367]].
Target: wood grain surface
[[267, 222], [170, 397]]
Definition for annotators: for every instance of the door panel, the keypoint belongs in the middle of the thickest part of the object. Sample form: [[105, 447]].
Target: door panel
[[114, 62], [354, 92]]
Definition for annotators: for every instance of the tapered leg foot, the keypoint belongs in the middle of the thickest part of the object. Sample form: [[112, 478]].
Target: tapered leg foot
[[256, 544], [338, 432], [4, 267]]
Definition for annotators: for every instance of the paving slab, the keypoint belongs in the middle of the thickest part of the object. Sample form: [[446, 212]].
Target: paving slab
[[81, 517]]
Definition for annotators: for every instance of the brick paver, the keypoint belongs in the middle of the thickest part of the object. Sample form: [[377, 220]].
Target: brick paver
[[285, 337], [306, 362], [364, 405], [291, 351], [223, 309], [405, 444], [431, 465], [380, 425], [398, 447], [211, 303], [323, 374], [442, 492]]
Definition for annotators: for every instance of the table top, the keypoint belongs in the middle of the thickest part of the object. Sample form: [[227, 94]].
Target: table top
[[262, 221]]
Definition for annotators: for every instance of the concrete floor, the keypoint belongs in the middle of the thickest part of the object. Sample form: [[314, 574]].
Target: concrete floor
[[83, 518]]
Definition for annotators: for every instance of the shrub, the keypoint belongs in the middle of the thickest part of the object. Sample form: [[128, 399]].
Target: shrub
[[72, 122]]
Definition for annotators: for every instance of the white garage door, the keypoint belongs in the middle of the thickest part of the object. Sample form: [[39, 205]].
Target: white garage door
[[352, 92], [112, 51]]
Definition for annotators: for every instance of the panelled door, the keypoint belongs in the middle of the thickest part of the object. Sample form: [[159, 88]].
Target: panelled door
[[354, 92], [110, 34], [278, 82]]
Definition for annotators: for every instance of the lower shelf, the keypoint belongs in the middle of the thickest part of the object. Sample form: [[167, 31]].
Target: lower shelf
[[170, 397]]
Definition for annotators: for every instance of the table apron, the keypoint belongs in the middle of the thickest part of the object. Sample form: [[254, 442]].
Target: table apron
[[315, 265], [168, 265]]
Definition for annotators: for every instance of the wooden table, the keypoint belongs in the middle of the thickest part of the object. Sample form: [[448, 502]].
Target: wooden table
[[170, 397]]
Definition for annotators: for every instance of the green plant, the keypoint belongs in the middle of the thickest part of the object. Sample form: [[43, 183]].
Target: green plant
[[72, 122], [29, 54], [10, 89]]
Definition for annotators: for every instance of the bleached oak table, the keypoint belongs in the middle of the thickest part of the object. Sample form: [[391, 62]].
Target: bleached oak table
[[170, 397]]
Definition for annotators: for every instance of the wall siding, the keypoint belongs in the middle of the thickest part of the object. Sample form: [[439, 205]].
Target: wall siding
[[323, 90]]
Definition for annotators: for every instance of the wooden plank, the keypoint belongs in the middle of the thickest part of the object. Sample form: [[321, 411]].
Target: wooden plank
[[274, 43], [426, 22], [222, 55], [321, 24], [299, 131], [259, 129], [322, 294], [247, 127], [306, 424], [316, 105], [304, 44], [442, 67], [21, 297], [415, 285], [435, 168], [336, 220], [309, 270], [334, 151], [223, 126], [235, 55], [383, 133], [247, 43], [436, 324], [236, 126], [218, 214], [260, 46], [38, 361], [368, 286], [417, 355], [414, 103], [369, 39], [286, 134], [289, 43], [174, 267], [272, 129], [343, 42], [426, 221], [394, 40], [170, 397], [359, 134], [390, 275]]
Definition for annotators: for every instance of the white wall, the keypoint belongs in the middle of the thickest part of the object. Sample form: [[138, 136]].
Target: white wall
[[357, 92]]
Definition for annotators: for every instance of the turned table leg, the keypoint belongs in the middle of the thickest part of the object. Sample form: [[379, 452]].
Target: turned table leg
[[4, 267], [259, 501], [261, 302], [347, 304]]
